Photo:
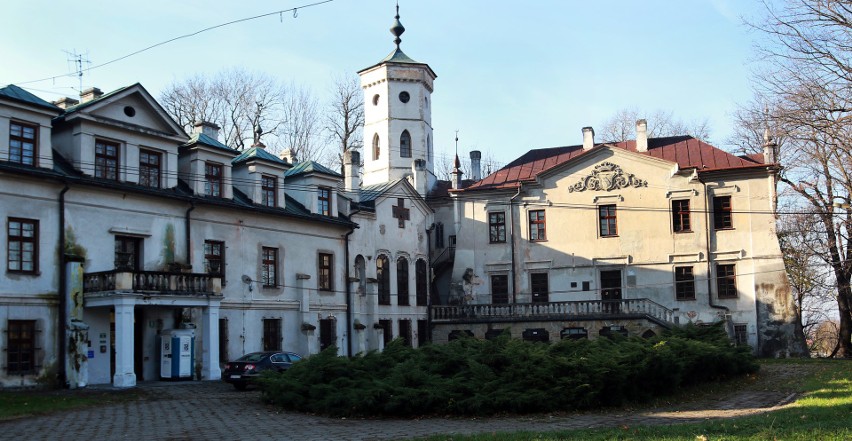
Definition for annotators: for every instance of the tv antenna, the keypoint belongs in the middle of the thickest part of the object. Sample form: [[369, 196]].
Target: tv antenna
[[78, 60]]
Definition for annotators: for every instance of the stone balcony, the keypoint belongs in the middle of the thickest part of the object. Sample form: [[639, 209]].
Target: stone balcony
[[628, 309], [153, 282]]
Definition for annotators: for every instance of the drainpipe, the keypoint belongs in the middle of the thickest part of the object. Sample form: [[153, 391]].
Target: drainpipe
[[188, 254], [512, 241], [348, 285], [429, 279], [709, 263], [63, 292]]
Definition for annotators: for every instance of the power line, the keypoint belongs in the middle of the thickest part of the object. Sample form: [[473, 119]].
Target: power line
[[280, 13]]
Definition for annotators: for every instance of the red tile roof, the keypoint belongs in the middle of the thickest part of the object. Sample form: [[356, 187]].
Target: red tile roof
[[686, 151]]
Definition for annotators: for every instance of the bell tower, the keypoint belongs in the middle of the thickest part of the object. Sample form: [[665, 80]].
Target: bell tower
[[398, 117]]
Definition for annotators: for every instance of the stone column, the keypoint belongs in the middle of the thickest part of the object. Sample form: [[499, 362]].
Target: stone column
[[124, 375], [210, 369]]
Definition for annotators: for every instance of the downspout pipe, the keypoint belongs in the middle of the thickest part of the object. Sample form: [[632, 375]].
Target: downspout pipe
[[709, 262], [188, 229], [63, 293], [348, 285], [429, 279], [512, 241]]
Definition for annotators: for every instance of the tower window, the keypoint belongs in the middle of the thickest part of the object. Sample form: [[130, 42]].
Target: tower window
[[376, 99], [404, 96], [405, 144], [376, 147]]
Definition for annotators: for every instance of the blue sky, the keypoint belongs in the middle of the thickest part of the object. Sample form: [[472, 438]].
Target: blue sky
[[511, 75]]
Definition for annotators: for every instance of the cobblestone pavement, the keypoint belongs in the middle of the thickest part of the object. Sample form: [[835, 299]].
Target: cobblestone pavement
[[214, 410]]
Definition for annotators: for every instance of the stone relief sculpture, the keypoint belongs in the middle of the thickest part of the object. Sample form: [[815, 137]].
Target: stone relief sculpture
[[605, 177]]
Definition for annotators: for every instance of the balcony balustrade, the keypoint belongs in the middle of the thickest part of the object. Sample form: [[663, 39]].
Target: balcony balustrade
[[575, 310], [159, 282]]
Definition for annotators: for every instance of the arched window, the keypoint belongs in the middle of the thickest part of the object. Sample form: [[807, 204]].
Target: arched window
[[402, 281], [376, 147], [420, 282], [405, 144], [429, 148], [383, 279]]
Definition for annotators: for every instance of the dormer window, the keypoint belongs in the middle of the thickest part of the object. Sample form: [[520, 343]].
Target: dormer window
[[149, 168], [106, 160], [22, 143], [269, 191], [324, 202], [213, 179], [405, 145]]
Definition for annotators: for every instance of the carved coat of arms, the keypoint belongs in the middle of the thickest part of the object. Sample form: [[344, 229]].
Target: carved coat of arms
[[605, 177]]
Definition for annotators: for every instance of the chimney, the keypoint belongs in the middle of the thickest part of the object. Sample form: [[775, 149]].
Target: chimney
[[90, 94], [207, 128], [588, 138], [457, 174], [475, 165], [287, 155], [65, 102], [418, 168], [351, 166], [641, 135], [769, 147]]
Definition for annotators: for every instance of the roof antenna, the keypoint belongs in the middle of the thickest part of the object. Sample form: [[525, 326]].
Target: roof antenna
[[78, 60], [397, 29]]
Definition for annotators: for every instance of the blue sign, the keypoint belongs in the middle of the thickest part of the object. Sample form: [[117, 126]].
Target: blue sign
[[91, 354]]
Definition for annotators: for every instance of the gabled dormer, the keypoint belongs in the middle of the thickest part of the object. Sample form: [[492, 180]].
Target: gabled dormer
[[259, 174], [314, 186], [205, 163], [122, 136], [25, 128]]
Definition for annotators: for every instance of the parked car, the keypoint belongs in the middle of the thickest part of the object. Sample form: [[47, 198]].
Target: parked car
[[244, 370]]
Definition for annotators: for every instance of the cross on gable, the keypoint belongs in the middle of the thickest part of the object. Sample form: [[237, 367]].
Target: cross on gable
[[400, 212]]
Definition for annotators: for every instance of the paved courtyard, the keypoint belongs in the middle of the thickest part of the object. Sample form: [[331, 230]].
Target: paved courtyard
[[214, 410]]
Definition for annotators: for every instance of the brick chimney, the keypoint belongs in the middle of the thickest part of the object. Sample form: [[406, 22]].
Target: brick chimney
[[641, 136], [66, 102], [351, 169], [90, 94], [418, 169], [588, 138], [287, 155], [475, 165], [207, 128]]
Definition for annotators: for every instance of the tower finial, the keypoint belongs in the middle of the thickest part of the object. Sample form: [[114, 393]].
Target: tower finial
[[397, 29]]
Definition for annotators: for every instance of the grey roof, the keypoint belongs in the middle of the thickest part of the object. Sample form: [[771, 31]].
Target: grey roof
[[16, 93], [258, 153], [200, 138], [371, 192], [310, 167], [398, 56]]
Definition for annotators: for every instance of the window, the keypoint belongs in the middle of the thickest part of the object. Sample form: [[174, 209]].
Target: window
[[537, 226], [608, 226], [684, 283], [421, 283], [149, 168], [386, 330], [213, 179], [726, 281], [272, 334], [324, 202], [497, 227], [328, 333], [500, 288], [383, 279], [106, 160], [325, 275], [22, 247], [20, 347], [574, 333], [740, 334], [269, 267], [214, 257], [376, 148], [722, 219], [402, 281], [680, 216], [269, 191], [405, 331], [128, 253], [611, 291], [23, 139], [539, 287], [405, 144], [223, 341], [429, 148], [439, 235]]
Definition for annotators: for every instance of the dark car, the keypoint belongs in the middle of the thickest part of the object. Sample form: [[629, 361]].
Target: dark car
[[244, 370]]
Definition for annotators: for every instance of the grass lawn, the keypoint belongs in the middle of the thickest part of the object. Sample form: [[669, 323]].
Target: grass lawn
[[823, 412], [26, 402]]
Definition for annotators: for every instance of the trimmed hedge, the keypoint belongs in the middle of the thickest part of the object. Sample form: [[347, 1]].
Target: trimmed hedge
[[483, 377]]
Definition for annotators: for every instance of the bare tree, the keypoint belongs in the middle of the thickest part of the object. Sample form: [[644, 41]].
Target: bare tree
[[344, 118], [806, 50], [622, 126], [301, 124]]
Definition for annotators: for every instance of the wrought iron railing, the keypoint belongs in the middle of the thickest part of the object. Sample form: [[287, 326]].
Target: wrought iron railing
[[160, 282], [554, 310]]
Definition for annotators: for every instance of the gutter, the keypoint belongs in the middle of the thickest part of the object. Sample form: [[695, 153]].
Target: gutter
[[188, 257], [512, 240], [429, 280], [348, 284], [62, 373], [709, 264]]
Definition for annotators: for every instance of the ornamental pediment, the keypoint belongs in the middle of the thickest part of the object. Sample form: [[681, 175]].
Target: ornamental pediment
[[606, 177]]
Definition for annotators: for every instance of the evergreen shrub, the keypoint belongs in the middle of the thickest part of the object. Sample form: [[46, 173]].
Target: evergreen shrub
[[485, 377]]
